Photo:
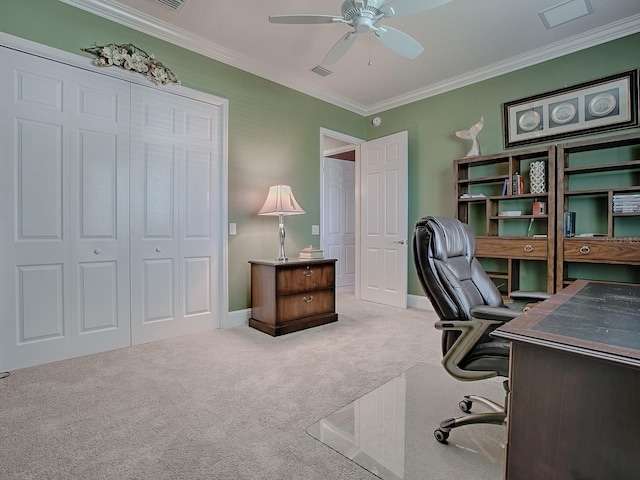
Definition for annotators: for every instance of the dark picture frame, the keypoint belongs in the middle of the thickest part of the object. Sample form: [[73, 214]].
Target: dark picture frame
[[609, 103]]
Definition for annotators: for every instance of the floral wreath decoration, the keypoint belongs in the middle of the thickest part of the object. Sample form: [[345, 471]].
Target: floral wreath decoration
[[132, 58]]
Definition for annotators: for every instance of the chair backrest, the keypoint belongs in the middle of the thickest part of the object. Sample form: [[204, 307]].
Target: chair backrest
[[449, 272]]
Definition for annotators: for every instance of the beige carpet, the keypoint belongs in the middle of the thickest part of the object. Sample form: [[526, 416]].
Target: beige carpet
[[227, 404]]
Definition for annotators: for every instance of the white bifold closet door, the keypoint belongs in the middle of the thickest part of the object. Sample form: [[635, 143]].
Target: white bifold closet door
[[175, 204], [110, 212], [64, 211]]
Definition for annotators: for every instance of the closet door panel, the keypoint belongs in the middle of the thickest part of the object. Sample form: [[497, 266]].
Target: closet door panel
[[175, 163], [39, 167], [64, 276], [43, 320], [97, 297], [99, 210]]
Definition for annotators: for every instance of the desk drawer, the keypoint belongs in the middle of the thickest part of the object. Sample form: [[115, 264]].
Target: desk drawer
[[511, 247], [305, 304], [606, 250], [302, 278]]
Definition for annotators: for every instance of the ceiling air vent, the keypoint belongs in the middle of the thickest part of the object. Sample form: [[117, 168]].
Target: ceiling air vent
[[174, 4], [323, 72]]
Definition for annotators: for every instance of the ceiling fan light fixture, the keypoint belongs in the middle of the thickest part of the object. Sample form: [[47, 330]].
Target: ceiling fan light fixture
[[364, 16]]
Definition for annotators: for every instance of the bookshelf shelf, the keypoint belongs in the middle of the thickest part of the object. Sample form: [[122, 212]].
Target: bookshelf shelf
[[505, 243]]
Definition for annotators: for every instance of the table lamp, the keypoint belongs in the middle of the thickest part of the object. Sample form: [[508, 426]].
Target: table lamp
[[280, 201]]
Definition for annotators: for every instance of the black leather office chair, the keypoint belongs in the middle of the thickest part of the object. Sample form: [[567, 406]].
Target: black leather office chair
[[470, 307]]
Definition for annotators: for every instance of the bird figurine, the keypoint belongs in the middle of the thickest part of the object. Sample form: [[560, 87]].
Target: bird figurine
[[472, 135]]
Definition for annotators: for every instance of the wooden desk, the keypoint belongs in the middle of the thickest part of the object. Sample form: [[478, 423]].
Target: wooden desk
[[574, 406]]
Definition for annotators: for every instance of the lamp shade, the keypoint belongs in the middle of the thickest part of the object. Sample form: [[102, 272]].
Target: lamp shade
[[280, 201]]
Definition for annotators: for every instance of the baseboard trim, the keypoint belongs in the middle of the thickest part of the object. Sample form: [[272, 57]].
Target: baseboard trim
[[237, 318]]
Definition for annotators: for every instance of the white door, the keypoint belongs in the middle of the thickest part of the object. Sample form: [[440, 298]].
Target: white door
[[175, 177], [383, 220], [338, 224], [64, 268]]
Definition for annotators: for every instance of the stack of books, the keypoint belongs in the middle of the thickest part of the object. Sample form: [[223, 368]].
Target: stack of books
[[310, 253], [510, 213], [627, 203]]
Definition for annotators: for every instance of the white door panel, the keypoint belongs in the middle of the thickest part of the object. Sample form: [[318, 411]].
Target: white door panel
[[383, 181], [174, 173], [339, 217], [64, 277]]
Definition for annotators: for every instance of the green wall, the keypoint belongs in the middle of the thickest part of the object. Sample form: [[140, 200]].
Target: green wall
[[431, 122], [274, 131]]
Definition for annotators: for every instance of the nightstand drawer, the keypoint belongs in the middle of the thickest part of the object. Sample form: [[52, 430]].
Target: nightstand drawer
[[305, 304], [511, 247], [607, 250], [302, 278]]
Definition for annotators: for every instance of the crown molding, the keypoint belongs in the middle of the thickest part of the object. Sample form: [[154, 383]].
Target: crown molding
[[116, 12], [593, 38]]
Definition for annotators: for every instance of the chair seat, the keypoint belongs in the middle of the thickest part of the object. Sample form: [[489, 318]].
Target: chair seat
[[489, 356]]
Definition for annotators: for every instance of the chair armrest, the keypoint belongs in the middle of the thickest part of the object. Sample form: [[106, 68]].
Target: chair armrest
[[470, 333], [530, 296], [486, 312]]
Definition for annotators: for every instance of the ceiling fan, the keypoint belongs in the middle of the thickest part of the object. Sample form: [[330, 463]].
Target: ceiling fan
[[365, 16]]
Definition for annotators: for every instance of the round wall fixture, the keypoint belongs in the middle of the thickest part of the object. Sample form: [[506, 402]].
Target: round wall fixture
[[377, 121]]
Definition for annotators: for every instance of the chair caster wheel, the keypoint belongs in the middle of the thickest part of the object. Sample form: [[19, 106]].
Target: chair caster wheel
[[441, 435], [465, 405]]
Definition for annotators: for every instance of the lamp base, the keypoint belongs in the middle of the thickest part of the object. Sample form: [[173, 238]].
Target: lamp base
[[282, 257]]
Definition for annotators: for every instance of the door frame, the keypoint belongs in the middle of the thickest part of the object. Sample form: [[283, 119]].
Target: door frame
[[78, 61], [356, 142]]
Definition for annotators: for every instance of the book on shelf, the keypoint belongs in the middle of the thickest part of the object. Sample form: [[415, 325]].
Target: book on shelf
[[505, 186], [517, 184], [310, 252]]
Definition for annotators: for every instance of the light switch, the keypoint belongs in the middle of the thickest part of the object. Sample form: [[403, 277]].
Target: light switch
[[315, 229], [232, 229]]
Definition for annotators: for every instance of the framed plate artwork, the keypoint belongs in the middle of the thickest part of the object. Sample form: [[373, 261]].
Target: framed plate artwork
[[606, 104]]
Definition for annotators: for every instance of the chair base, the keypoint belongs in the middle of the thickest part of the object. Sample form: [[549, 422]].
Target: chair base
[[497, 415]]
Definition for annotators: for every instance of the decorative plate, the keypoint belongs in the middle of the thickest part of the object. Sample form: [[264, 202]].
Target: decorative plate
[[602, 105], [529, 120], [563, 113]]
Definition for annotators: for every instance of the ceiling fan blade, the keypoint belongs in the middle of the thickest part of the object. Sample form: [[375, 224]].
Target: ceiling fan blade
[[396, 8], [399, 42], [340, 48], [305, 19]]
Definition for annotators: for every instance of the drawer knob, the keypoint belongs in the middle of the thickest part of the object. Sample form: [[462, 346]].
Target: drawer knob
[[584, 250], [308, 299], [97, 251], [528, 248], [308, 272]]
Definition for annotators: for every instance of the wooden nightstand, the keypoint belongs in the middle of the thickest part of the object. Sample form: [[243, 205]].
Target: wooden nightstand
[[293, 295]]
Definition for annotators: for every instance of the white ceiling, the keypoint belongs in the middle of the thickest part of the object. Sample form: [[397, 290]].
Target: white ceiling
[[465, 41]]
